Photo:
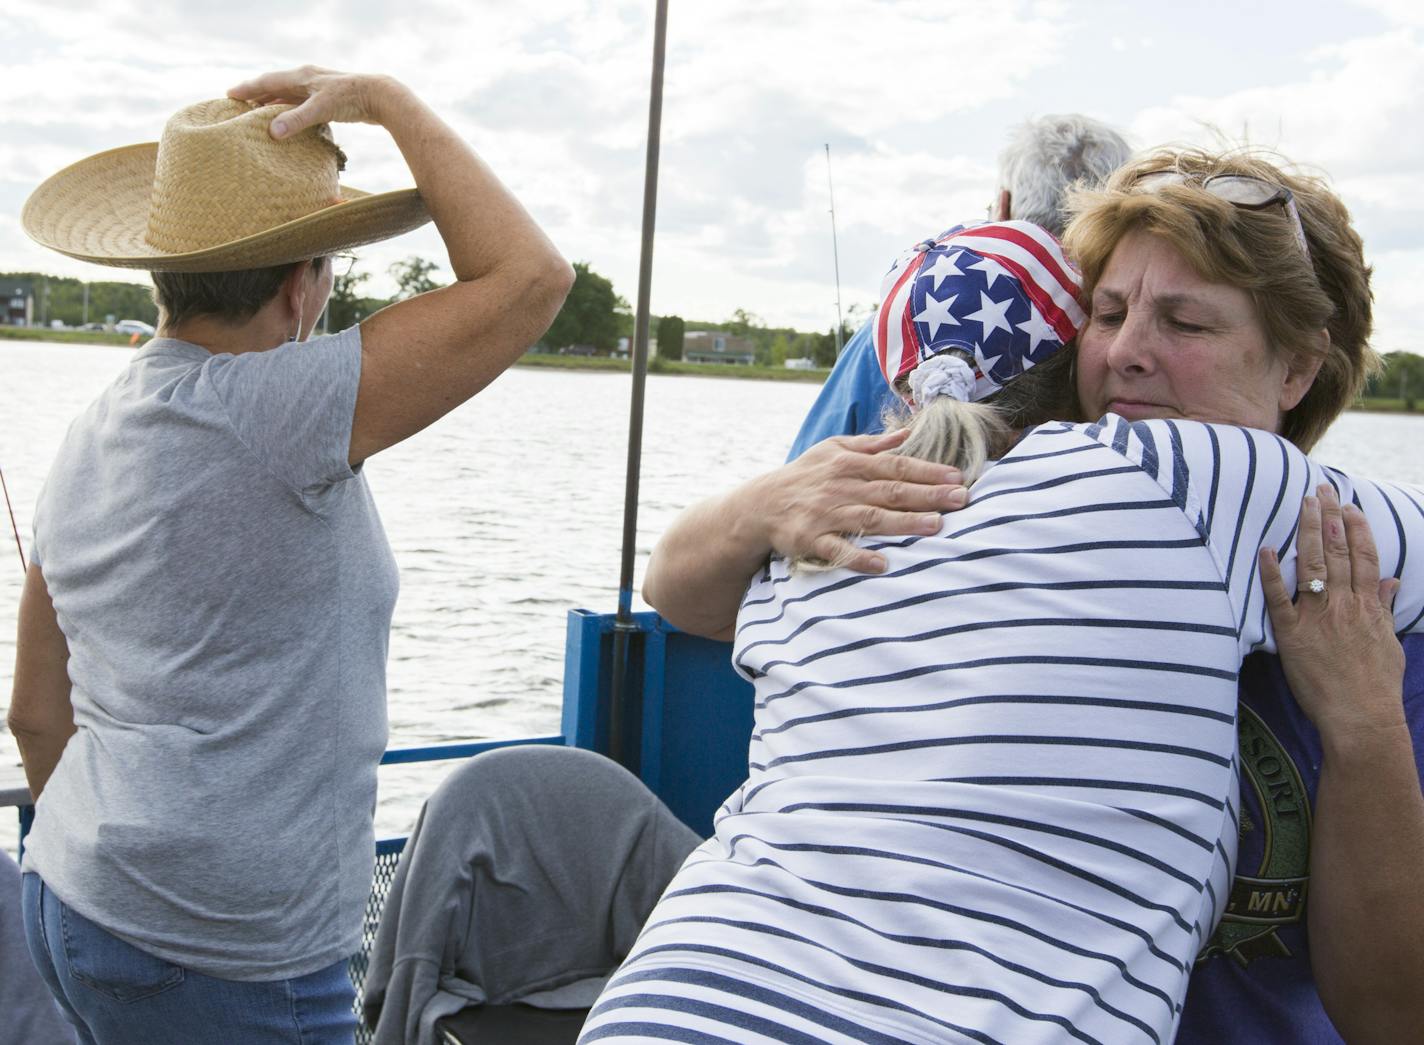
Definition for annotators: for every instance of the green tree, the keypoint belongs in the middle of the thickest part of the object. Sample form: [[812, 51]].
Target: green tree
[[670, 337], [823, 349], [591, 314], [412, 276], [344, 309], [1402, 379], [780, 348], [742, 322]]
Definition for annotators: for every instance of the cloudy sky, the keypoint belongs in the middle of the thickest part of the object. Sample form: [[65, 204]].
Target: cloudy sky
[[913, 96]]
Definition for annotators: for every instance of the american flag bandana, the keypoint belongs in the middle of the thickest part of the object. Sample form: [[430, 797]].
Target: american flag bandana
[[1002, 292]]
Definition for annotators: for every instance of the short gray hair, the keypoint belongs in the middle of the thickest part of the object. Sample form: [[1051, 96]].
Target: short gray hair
[[1047, 156], [228, 297]]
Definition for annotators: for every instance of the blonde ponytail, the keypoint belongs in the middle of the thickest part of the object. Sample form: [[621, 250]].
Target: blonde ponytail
[[962, 435]]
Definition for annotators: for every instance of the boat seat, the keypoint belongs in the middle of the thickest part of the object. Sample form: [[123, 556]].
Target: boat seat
[[511, 1025]]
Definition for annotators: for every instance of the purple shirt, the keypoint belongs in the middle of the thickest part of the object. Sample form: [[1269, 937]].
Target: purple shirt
[[1254, 983]]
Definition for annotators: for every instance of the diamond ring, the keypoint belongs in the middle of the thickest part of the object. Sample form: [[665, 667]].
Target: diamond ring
[[1315, 586]]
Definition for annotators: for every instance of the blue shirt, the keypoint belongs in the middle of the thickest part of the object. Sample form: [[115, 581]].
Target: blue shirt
[[852, 401]]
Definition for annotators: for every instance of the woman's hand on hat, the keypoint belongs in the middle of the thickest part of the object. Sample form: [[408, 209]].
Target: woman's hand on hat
[[319, 96], [849, 485], [1337, 644]]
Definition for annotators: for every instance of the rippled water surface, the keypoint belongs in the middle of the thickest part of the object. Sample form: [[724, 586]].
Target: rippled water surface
[[504, 516]]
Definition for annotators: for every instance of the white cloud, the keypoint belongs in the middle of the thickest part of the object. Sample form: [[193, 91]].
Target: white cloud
[[1399, 299], [1351, 114], [1354, 112], [912, 62], [556, 100], [913, 97], [1399, 12]]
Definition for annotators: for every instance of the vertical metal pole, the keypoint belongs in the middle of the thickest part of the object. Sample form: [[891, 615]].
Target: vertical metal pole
[[624, 627], [835, 250]]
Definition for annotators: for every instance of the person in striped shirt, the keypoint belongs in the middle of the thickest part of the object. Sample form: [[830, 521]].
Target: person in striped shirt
[[1229, 368]]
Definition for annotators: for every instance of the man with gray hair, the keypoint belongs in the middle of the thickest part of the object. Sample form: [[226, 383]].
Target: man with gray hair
[[1043, 159], [1047, 155]]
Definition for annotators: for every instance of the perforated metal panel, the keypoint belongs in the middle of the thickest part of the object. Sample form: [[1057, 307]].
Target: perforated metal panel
[[388, 854]]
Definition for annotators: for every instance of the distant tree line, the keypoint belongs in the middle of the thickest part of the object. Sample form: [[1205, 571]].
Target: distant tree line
[[593, 317], [62, 298], [772, 346], [1402, 379]]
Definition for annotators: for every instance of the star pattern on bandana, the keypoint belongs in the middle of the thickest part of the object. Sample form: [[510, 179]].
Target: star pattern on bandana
[[945, 265], [1039, 334], [992, 315], [992, 271], [962, 295], [1000, 366], [937, 313]]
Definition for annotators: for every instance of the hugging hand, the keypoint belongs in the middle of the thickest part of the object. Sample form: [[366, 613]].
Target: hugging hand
[[1337, 644], [849, 485]]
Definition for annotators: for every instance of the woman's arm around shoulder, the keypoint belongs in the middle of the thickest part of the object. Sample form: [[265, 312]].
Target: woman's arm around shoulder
[[845, 485]]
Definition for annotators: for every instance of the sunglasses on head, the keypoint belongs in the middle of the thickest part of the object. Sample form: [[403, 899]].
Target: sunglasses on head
[[1241, 190]]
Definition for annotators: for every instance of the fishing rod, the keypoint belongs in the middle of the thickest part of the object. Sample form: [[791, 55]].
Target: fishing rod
[[24, 568], [835, 250], [623, 625]]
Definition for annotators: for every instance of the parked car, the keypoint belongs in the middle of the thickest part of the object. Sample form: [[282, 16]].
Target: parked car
[[134, 326]]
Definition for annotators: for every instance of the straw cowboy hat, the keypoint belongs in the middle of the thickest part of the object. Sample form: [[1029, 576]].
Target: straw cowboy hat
[[217, 194]]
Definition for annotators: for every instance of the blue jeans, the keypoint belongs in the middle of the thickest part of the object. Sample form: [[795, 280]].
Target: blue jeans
[[116, 994]]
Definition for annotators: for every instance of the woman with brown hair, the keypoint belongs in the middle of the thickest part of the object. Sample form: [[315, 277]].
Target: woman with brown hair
[[1221, 288]]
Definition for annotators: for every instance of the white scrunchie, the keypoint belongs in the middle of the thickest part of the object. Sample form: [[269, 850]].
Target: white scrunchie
[[942, 375]]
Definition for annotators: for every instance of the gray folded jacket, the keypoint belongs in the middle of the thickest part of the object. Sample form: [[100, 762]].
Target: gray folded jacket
[[527, 878]]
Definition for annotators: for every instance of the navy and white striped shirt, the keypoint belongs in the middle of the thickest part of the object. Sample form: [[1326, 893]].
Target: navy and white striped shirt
[[992, 792]]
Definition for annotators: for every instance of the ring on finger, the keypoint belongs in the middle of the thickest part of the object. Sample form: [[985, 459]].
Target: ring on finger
[[1314, 586]]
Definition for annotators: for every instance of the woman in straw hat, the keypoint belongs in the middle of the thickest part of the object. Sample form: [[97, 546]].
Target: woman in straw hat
[[200, 672]]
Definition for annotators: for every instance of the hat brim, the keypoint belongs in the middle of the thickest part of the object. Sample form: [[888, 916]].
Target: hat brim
[[97, 210]]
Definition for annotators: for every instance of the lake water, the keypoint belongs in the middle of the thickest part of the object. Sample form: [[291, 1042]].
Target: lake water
[[505, 515]]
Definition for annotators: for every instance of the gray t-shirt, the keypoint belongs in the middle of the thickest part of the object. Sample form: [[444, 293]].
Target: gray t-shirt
[[225, 587]]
